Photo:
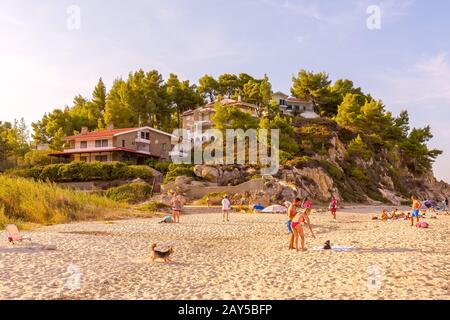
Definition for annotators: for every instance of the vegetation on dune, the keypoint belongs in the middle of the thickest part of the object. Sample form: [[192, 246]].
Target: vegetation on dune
[[130, 193], [215, 197], [154, 207], [24, 200], [372, 142], [82, 171], [176, 170]]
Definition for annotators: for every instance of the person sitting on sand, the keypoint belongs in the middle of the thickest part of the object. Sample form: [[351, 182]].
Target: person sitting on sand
[[415, 211], [297, 226], [384, 215], [394, 215], [176, 208], [167, 219], [226, 207], [333, 207]]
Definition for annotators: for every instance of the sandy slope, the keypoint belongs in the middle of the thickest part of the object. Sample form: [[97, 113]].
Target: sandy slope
[[244, 259]]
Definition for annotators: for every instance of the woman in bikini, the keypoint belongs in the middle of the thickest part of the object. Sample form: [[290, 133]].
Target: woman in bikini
[[297, 227], [176, 208], [292, 211]]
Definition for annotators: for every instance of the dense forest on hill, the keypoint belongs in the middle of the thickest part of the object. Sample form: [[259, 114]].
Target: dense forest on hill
[[368, 132]]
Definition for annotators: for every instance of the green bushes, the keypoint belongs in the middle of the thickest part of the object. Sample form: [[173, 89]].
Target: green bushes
[[82, 171], [154, 206], [24, 200], [176, 170], [215, 197], [37, 158], [132, 192]]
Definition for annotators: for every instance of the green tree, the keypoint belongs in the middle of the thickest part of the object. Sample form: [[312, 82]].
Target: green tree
[[182, 96], [349, 111], [228, 84], [208, 87], [312, 86], [227, 117]]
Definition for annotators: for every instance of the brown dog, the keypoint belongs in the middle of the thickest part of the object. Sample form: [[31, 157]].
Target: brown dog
[[163, 256]]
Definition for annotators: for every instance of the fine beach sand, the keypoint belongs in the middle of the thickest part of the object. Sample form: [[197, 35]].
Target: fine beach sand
[[246, 258]]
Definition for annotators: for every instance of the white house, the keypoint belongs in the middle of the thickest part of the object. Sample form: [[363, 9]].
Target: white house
[[291, 105]]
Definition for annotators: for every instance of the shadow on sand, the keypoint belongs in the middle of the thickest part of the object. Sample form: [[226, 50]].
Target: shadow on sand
[[32, 248]]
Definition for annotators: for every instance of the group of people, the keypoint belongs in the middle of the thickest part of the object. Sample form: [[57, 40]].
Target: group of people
[[412, 215], [177, 203], [298, 217]]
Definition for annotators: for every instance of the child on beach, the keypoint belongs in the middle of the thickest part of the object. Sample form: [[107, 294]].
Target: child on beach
[[176, 208], [226, 207], [299, 221], [333, 207], [416, 204]]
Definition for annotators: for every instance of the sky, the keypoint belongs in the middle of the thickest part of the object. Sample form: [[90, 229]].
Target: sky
[[46, 58]]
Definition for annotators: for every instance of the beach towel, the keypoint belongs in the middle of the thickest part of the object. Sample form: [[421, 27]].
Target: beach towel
[[422, 224], [333, 248]]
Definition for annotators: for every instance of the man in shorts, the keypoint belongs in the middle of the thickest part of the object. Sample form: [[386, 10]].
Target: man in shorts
[[415, 212]]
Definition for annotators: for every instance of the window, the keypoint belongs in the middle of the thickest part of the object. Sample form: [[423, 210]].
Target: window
[[101, 158], [83, 144], [282, 102], [123, 143], [101, 143], [164, 146], [83, 159], [145, 135]]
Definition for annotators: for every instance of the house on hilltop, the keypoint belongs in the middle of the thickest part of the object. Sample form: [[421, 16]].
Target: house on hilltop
[[291, 105], [133, 145], [202, 117]]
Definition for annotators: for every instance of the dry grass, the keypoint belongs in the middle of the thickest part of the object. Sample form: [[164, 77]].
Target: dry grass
[[26, 202]]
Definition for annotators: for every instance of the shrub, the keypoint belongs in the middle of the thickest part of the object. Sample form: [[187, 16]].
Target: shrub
[[24, 200], [333, 170], [132, 192], [82, 171], [359, 175], [37, 158], [215, 197], [176, 170], [154, 206]]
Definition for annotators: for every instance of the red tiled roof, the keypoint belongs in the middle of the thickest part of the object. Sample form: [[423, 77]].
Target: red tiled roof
[[98, 150], [296, 99], [98, 134]]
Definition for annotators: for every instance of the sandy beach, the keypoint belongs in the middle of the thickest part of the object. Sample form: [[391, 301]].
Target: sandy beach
[[246, 258]]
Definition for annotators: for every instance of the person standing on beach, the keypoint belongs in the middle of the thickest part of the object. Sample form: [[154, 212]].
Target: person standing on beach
[[333, 207], [292, 211], [176, 208], [415, 212], [300, 219], [307, 205], [226, 207]]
